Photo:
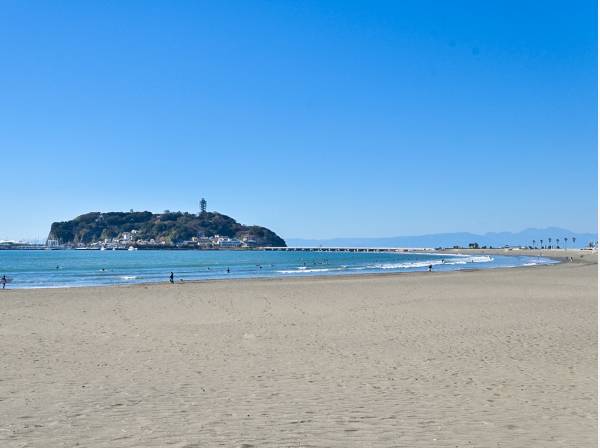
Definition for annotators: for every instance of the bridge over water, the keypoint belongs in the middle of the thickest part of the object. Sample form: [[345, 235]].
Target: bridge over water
[[347, 249]]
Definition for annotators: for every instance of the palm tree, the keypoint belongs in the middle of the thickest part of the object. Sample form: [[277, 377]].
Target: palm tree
[[566, 239], [534, 244], [549, 243], [573, 240], [541, 244], [557, 243]]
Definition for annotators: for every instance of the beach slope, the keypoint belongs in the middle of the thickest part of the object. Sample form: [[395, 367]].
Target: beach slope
[[503, 357]]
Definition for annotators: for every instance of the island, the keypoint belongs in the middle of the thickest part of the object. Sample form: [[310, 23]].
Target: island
[[146, 230]]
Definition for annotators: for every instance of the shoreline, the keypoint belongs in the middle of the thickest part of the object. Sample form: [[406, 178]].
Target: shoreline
[[466, 252], [582, 258]]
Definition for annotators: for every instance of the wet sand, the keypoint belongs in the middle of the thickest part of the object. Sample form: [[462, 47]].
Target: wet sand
[[487, 358]]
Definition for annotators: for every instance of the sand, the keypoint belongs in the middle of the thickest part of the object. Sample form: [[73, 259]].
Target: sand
[[485, 358]]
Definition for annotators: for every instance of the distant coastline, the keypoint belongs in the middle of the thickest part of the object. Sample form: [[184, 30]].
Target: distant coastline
[[531, 237]]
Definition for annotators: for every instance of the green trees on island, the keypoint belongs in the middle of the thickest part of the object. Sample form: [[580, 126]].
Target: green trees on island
[[171, 227]]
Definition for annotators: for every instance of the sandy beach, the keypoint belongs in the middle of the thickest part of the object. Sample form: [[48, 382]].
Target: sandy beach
[[504, 357]]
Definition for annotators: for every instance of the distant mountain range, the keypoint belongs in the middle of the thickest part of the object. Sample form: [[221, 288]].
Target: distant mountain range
[[463, 239]]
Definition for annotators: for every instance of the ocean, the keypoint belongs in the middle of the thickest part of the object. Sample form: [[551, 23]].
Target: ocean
[[72, 268]]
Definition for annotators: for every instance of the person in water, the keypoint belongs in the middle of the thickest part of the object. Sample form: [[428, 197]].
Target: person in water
[[228, 270], [3, 281], [171, 278], [430, 267]]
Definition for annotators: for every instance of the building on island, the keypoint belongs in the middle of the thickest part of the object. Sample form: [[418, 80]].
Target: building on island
[[227, 242]]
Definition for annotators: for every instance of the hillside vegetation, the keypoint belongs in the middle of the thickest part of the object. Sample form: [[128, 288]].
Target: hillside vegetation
[[173, 227]]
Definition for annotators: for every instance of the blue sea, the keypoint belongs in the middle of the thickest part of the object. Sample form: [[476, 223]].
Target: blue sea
[[70, 268]]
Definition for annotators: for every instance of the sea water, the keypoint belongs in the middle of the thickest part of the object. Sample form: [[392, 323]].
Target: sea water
[[67, 268]]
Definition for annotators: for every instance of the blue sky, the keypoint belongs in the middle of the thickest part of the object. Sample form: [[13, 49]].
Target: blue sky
[[316, 119]]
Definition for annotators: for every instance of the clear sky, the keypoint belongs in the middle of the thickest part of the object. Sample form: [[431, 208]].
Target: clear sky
[[316, 119]]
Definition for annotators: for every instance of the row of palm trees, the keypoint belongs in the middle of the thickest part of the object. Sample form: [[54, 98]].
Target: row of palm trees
[[549, 246]]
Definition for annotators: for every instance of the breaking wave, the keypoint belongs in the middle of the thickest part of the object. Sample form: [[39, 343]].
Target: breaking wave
[[464, 259]]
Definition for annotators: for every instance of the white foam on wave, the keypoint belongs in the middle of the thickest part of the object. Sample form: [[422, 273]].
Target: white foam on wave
[[302, 270], [470, 259], [416, 264], [423, 264], [386, 266], [482, 259], [128, 277]]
